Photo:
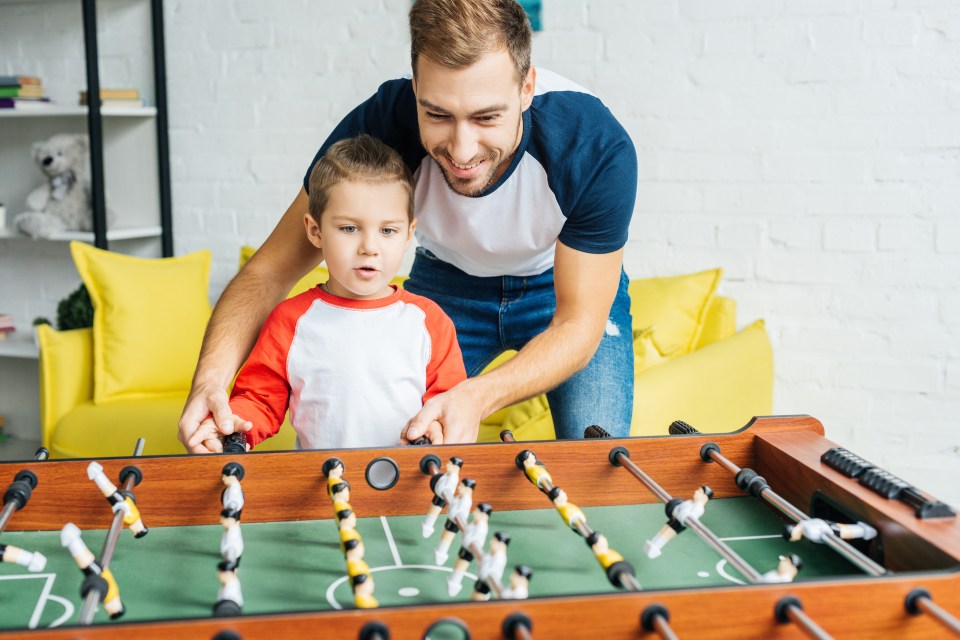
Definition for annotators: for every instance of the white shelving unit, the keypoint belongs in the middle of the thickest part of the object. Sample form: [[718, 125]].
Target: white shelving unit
[[19, 344]]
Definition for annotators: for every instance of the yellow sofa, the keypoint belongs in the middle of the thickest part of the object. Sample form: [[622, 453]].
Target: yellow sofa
[[692, 365]]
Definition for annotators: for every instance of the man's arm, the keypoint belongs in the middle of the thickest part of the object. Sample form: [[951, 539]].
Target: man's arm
[[586, 285], [284, 258]]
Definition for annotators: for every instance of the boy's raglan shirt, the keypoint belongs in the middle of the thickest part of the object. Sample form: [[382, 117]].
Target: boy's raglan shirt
[[352, 372]]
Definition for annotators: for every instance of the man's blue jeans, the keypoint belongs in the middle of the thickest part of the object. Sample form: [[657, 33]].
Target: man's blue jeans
[[495, 314]]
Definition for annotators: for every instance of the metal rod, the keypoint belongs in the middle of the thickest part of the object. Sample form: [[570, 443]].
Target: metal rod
[[939, 613], [522, 633], [806, 624], [8, 510], [693, 523], [41, 454], [662, 627], [656, 489], [835, 542], [89, 606]]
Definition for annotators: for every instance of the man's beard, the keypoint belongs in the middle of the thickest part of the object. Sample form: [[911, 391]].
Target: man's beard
[[459, 185]]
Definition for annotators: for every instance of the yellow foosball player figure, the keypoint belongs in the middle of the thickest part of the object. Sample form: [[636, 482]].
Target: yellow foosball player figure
[[519, 586], [131, 515], [444, 486], [536, 473], [474, 536], [33, 560], [354, 551], [334, 471], [571, 513], [679, 512], [101, 579], [458, 511], [786, 570], [347, 535], [363, 591]]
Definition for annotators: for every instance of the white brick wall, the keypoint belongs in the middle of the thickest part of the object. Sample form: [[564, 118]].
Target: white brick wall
[[809, 147]]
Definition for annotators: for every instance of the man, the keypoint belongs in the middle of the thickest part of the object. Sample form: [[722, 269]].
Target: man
[[525, 188]]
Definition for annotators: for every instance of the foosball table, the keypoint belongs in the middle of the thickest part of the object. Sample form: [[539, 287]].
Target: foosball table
[[769, 532]]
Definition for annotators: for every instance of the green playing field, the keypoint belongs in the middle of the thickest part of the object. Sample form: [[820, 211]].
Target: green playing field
[[297, 566]]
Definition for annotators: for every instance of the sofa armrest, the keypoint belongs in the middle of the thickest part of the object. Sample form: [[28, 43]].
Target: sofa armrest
[[66, 374], [717, 389]]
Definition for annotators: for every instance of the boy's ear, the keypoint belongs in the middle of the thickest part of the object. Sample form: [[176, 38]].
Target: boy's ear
[[313, 230], [413, 226]]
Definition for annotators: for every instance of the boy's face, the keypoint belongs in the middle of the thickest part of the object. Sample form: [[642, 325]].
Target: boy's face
[[363, 233], [470, 119]]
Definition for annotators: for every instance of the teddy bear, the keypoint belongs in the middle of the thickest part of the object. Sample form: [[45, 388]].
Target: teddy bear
[[64, 203]]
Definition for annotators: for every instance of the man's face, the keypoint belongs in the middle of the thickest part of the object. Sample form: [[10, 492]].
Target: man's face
[[470, 119]]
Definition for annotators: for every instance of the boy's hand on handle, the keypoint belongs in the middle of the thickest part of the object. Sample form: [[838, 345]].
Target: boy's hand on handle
[[205, 418], [447, 418]]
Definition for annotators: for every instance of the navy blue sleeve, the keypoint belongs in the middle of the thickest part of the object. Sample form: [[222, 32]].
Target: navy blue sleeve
[[591, 167], [391, 115]]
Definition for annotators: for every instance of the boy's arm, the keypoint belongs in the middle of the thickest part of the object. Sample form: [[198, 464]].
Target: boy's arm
[[261, 393], [266, 278]]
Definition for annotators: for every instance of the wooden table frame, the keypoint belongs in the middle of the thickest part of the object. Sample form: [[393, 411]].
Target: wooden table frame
[[184, 490]]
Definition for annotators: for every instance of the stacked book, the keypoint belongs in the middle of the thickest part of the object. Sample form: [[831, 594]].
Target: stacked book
[[116, 98], [22, 92], [6, 325]]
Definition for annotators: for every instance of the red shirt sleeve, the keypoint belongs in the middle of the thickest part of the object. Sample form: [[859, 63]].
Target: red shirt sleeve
[[445, 369], [261, 392]]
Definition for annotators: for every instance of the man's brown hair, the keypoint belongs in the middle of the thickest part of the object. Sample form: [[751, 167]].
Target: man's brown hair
[[363, 159], [456, 33]]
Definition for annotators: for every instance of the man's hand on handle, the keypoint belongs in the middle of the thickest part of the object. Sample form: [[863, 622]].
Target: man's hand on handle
[[205, 418], [447, 418]]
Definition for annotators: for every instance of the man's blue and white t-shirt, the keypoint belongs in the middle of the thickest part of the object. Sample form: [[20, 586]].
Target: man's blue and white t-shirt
[[573, 178]]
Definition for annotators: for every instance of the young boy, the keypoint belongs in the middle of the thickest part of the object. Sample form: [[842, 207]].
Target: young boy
[[355, 357]]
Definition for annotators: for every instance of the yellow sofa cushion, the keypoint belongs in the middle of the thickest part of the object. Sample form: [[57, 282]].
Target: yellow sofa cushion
[[722, 386], [673, 308], [148, 322]]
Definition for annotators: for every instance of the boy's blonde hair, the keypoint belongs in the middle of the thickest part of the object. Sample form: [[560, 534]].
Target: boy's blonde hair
[[363, 159], [456, 33]]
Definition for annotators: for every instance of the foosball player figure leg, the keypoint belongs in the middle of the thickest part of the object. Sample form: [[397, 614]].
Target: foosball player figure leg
[[519, 586], [33, 560], [363, 591], [340, 492], [459, 511], [443, 486], [786, 570], [475, 535], [492, 567], [856, 531], [678, 511], [229, 596]]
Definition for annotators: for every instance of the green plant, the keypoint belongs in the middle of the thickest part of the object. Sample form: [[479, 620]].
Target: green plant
[[75, 311], [39, 320]]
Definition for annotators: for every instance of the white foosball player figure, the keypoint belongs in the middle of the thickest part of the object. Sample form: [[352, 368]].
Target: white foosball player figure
[[443, 487], [492, 567], [474, 536], [459, 510], [231, 542], [786, 570], [33, 560], [519, 583], [816, 530], [692, 508]]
